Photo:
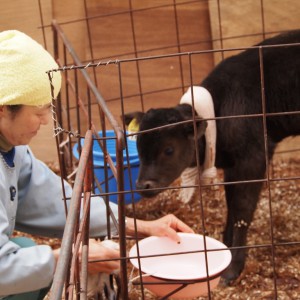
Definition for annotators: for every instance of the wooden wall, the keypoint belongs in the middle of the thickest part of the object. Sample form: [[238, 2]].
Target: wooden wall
[[112, 35]]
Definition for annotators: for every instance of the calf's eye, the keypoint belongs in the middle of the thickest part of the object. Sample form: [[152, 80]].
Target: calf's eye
[[169, 151]]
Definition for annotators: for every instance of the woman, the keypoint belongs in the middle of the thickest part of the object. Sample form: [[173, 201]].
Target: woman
[[30, 193]]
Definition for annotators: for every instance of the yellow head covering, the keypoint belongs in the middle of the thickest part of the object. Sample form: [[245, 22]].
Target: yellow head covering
[[23, 66]]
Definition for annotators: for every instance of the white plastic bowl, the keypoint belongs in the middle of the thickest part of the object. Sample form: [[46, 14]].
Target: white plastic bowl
[[167, 267]]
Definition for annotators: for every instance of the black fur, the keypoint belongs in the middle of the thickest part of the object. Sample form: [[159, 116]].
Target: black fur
[[162, 157], [235, 85]]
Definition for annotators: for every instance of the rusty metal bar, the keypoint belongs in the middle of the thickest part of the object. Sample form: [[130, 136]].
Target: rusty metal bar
[[104, 111], [199, 179], [72, 219], [117, 170], [265, 132], [88, 181], [121, 204], [55, 120], [88, 80]]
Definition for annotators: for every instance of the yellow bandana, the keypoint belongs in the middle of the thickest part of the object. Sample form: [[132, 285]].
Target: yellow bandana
[[23, 66]]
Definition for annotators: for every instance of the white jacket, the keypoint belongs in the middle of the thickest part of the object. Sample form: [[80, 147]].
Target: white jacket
[[31, 201]]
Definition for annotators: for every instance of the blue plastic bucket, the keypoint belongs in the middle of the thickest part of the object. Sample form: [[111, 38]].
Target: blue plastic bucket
[[98, 160]]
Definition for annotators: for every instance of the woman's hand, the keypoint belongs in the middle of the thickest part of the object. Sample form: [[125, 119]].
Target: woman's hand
[[99, 252], [168, 225]]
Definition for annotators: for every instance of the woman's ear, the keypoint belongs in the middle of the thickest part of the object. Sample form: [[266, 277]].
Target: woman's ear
[[2, 109]]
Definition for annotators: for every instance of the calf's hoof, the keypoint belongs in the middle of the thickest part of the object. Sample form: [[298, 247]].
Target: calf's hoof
[[231, 273]]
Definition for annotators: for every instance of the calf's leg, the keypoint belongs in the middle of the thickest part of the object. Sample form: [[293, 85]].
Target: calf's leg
[[241, 200]]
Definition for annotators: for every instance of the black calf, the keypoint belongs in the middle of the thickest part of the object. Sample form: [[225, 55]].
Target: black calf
[[235, 87]]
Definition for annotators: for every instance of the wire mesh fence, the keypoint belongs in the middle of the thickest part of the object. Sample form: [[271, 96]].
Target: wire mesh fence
[[81, 108]]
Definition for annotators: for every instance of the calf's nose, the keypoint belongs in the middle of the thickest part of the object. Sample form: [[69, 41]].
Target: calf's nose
[[144, 184]]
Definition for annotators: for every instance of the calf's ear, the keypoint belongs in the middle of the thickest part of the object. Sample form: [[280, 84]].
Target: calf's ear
[[200, 128], [127, 118]]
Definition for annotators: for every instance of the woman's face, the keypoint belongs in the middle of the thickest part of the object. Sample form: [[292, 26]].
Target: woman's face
[[20, 127]]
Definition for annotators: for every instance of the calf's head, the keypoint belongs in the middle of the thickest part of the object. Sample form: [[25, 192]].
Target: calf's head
[[166, 145]]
